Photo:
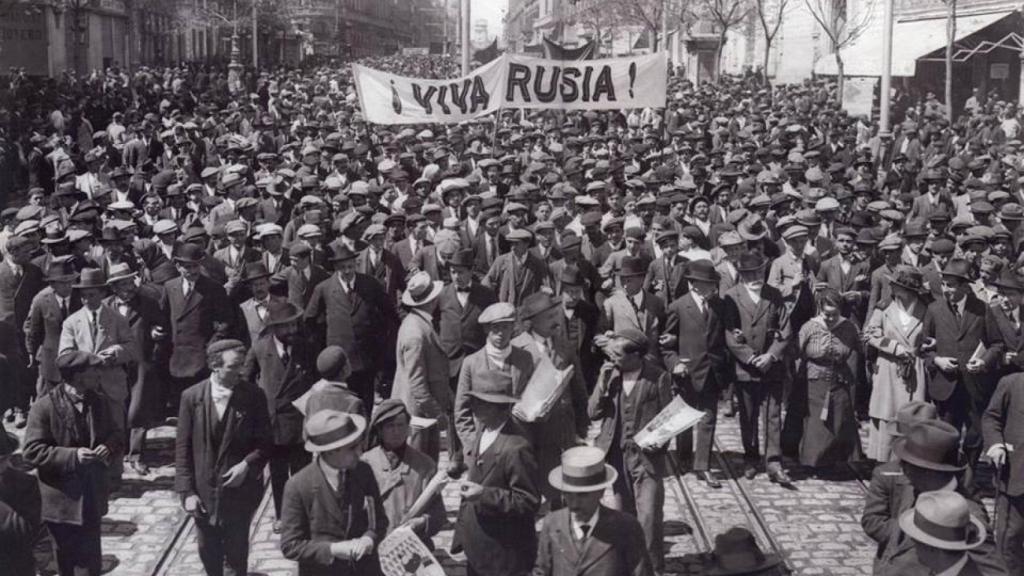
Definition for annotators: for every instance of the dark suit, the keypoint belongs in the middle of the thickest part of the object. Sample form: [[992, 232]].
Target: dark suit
[[429, 262], [483, 263], [16, 296], [206, 447], [751, 330], [701, 340], [282, 384], [831, 273], [315, 515], [42, 335], [403, 249], [388, 271], [518, 368], [513, 281], [74, 495], [146, 373], [620, 311], [276, 210], [362, 322], [195, 321], [1013, 340], [459, 331], [497, 530], [20, 504], [614, 547], [591, 279], [640, 472], [960, 397], [300, 290], [666, 281], [1002, 423]]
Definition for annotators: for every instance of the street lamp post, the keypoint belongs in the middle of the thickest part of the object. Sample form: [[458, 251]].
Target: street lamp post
[[235, 67], [466, 47], [884, 130]]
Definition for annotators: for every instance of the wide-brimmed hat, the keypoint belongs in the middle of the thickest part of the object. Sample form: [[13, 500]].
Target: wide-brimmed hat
[[752, 229], [908, 277], [942, 519], [463, 259], [912, 413], [632, 266], [583, 469], [1009, 280], [280, 311], [750, 262], [119, 272], [958, 268], [61, 269], [189, 253], [493, 386], [930, 444], [92, 278], [736, 552], [421, 289], [340, 252], [701, 271], [537, 303], [255, 271], [331, 429]]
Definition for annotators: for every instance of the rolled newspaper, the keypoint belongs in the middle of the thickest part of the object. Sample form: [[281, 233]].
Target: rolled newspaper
[[674, 419]]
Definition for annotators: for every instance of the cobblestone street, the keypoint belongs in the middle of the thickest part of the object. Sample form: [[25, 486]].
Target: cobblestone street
[[816, 524]]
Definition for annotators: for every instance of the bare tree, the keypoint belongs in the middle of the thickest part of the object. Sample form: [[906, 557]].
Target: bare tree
[[645, 13], [724, 14], [770, 14], [598, 15], [840, 27]]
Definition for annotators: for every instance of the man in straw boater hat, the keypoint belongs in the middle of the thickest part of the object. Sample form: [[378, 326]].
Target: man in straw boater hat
[[421, 366], [352, 310], [630, 391], [20, 503], [140, 306], [500, 496], [46, 315], [944, 530], [333, 518], [586, 537], [282, 362], [758, 333], [222, 443]]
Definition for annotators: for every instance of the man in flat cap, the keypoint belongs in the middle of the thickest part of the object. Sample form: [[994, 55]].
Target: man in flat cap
[[517, 273], [20, 281], [222, 443]]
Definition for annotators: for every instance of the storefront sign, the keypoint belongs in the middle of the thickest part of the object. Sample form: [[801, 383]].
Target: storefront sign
[[999, 71], [23, 40]]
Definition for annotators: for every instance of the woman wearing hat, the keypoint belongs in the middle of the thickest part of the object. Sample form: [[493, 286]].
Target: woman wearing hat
[[402, 472], [898, 375], [585, 533], [830, 346]]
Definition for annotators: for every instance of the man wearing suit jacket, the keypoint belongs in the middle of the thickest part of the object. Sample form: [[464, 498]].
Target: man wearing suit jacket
[[302, 276], [581, 318], [273, 255], [631, 390], [282, 361], [572, 258], [417, 238], [105, 335], [197, 312], [140, 307], [848, 277], [1004, 437], [46, 316], [459, 305], [20, 507], [497, 359], [958, 383], [757, 333], [586, 538], [236, 255], [501, 495], [352, 310], [221, 446], [20, 281], [333, 516], [380, 264], [1008, 317], [694, 351], [517, 273], [665, 274], [490, 244], [71, 440], [634, 307], [436, 260], [256, 277], [421, 370]]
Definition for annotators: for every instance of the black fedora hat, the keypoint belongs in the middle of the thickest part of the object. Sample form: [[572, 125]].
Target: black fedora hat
[[280, 311], [632, 266], [930, 444], [61, 269], [701, 271], [463, 259], [958, 268], [92, 278], [189, 253], [750, 262], [255, 271], [340, 253]]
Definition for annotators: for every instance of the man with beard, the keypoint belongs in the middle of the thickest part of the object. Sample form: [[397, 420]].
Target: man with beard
[[282, 361]]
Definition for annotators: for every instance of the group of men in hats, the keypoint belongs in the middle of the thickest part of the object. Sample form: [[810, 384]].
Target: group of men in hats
[[265, 269]]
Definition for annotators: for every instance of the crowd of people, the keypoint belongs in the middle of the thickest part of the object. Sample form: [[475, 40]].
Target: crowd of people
[[341, 303]]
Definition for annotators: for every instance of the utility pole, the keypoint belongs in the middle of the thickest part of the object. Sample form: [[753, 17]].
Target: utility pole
[[466, 47], [884, 130], [664, 29], [444, 33], [255, 37]]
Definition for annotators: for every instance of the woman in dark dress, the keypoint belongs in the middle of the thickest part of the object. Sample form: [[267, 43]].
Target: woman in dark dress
[[830, 349]]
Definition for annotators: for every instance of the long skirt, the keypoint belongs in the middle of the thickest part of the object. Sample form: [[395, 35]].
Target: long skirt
[[830, 425]]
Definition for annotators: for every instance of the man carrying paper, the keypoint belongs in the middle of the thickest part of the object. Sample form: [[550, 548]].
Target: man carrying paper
[[630, 392]]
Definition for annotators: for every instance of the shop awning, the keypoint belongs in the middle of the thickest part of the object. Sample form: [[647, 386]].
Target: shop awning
[[912, 39]]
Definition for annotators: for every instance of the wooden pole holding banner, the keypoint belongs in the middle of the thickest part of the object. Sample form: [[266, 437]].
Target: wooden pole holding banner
[[466, 47]]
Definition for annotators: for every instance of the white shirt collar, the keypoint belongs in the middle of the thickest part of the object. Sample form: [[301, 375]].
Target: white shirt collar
[[331, 473], [577, 526], [281, 348], [488, 436]]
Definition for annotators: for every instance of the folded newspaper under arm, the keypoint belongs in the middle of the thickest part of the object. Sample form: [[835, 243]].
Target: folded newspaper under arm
[[979, 352], [542, 391], [674, 419], [432, 489]]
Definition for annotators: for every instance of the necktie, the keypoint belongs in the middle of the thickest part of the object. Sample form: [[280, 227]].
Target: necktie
[[261, 310], [286, 357], [63, 308], [92, 325], [585, 529]]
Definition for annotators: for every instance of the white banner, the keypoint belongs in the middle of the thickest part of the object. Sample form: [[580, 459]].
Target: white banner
[[513, 81], [859, 96]]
